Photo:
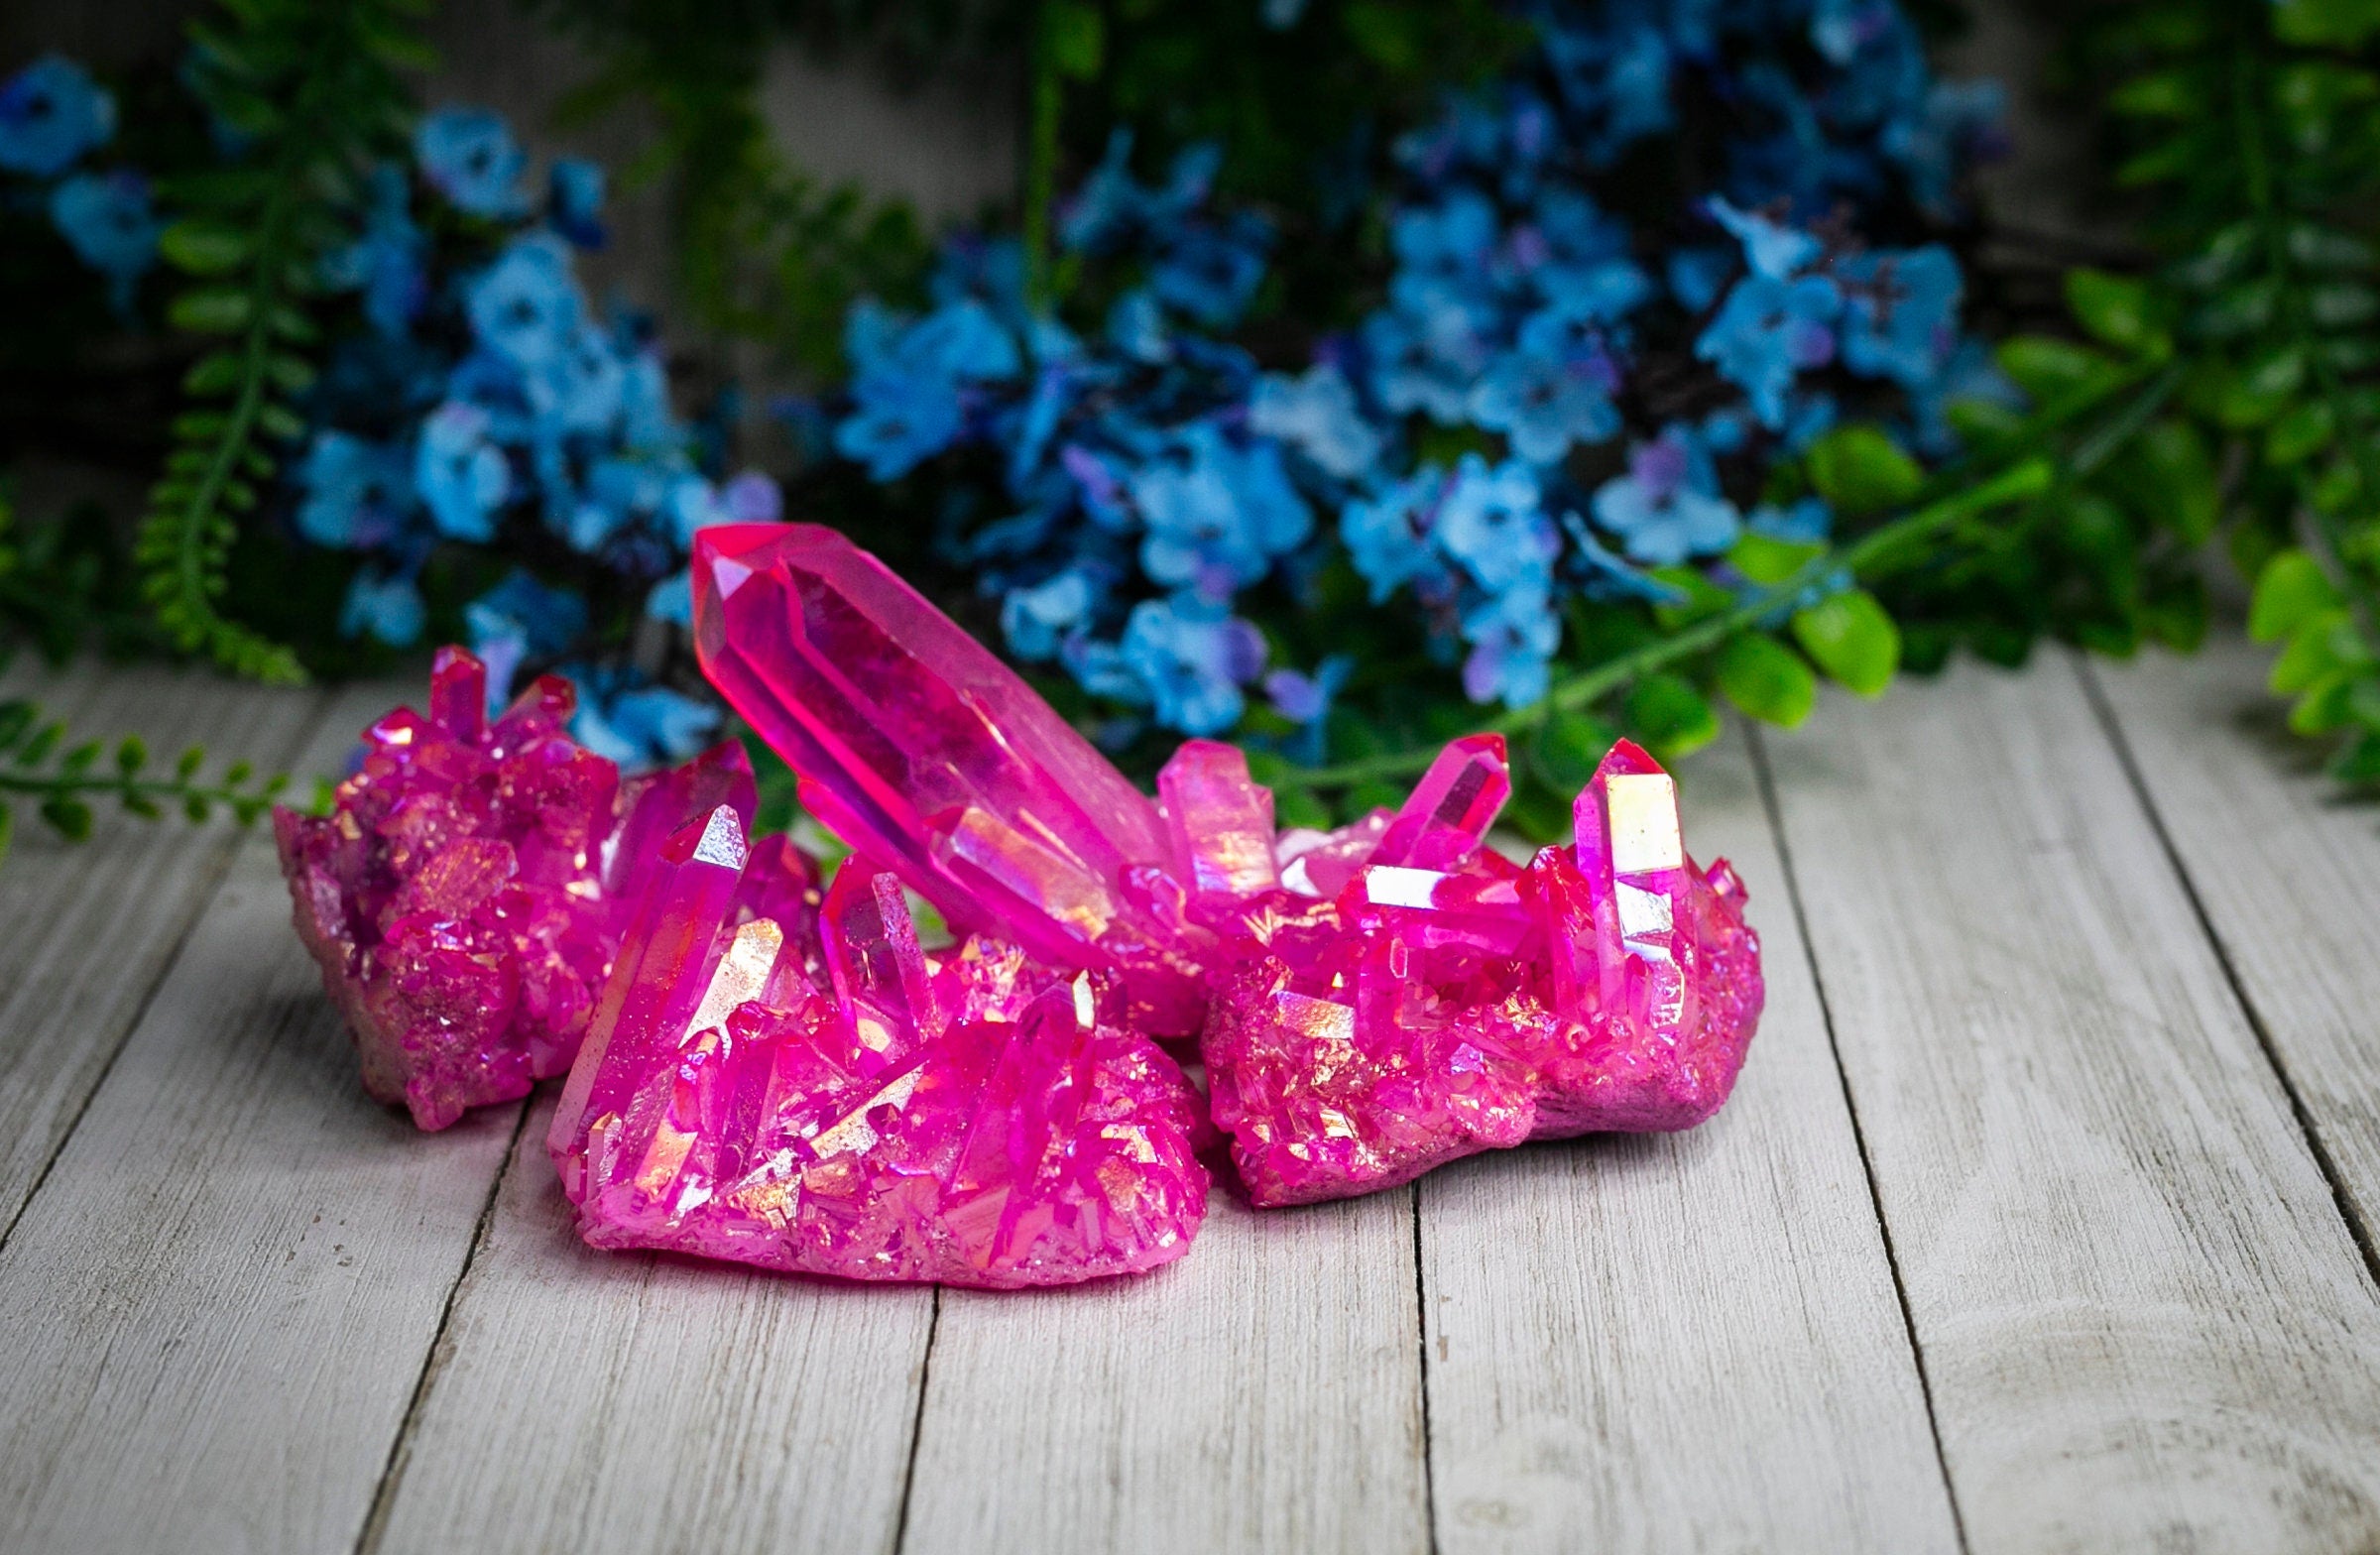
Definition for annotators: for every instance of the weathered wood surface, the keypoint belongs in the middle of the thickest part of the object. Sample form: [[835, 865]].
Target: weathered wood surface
[[87, 931], [583, 1400], [2284, 870], [220, 1300], [1684, 1342], [2111, 1302], [2144, 1323]]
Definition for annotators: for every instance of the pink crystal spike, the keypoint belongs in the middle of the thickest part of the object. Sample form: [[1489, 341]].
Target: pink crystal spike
[[917, 746], [458, 694], [659, 979], [653, 807], [1435, 1013], [1219, 821], [878, 972], [1452, 807]]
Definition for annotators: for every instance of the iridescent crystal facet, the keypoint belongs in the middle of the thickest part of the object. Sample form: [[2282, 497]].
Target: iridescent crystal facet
[[462, 898], [970, 1118]]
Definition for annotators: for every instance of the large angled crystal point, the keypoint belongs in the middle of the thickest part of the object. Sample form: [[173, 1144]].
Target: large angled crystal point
[[969, 1116], [917, 746], [460, 897], [1444, 1001]]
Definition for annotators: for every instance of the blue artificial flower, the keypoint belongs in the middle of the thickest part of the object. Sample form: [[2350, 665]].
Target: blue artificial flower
[[1316, 413], [468, 154], [639, 726], [574, 200], [1606, 290], [1900, 313], [1137, 327], [385, 261], [519, 618], [581, 386], [1617, 80], [1668, 507], [1969, 374], [1193, 656], [1697, 275], [1806, 521], [1543, 401], [1771, 248], [525, 307], [961, 339], [355, 491], [461, 476], [1961, 122], [107, 221], [1037, 620], [1305, 700], [1454, 237], [1490, 521], [51, 113], [1388, 532], [1108, 205], [1210, 272], [385, 606], [1426, 358], [1099, 668], [1602, 575], [1216, 511], [1281, 15], [1513, 634], [899, 420], [1767, 331]]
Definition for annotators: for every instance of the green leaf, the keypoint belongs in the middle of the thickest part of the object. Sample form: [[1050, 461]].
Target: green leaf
[[215, 310], [1766, 679], [204, 248], [2173, 480], [2325, 706], [70, 818], [1860, 470], [2305, 430], [2341, 24], [2291, 590], [216, 373], [195, 808], [8, 830], [187, 767], [132, 755], [2118, 311], [2358, 764], [1769, 561], [2046, 367], [1670, 716], [1852, 638], [1569, 748], [1295, 806], [2310, 655], [37, 750], [1077, 38]]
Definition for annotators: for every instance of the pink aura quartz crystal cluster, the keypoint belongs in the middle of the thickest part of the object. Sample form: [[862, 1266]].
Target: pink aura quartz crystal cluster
[[788, 1079]]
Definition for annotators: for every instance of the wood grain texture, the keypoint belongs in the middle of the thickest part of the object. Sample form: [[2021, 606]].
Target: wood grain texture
[[2288, 871], [2143, 1320], [1262, 1394], [587, 1400], [1683, 1342], [220, 1302], [90, 927]]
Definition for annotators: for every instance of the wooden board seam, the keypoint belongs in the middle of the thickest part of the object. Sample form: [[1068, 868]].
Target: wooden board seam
[[2340, 1200], [1766, 779], [925, 1377]]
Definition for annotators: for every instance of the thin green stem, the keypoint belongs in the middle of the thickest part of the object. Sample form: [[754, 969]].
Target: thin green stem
[[105, 785], [2021, 473], [1046, 100]]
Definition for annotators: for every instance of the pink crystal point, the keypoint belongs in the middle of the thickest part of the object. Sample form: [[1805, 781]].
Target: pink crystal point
[[460, 899], [969, 1118], [1448, 1002], [917, 746]]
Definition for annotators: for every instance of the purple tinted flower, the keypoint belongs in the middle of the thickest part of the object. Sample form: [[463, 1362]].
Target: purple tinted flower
[[1037, 620], [355, 491], [1542, 402], [1388, 532], [51, 113], [1771, 248], [1900, 313], [1767, 331], [525, 307], [468, 154], [1491, 523], [1668, 505], [1211, 272], [1514, 636], [1193, 656], [1216, 511], [519, 618], [1316, 413], [640, 727], [384, 606]]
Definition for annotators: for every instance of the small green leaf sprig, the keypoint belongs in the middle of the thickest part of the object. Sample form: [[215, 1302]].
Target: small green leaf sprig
[[64, 780], [311, 89]]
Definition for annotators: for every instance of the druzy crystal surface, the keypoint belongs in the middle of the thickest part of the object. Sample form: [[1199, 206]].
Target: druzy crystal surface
[[917, 747], [463, 898], [1440, 1000], [879, 1113]]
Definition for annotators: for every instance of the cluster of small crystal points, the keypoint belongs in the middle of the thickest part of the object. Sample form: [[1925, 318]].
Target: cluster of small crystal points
[[465, 896], [970, 1118], [1372, 1002]]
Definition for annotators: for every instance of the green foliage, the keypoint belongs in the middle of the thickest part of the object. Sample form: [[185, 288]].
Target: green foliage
[[1766, 679], [1852, 638], [312, 88], [61, 779], [2254, 130], [1860, 471]]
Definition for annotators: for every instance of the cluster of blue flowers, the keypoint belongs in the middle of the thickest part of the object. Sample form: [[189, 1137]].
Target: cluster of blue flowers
[[52, 116], [1599, 407], [486, 402]]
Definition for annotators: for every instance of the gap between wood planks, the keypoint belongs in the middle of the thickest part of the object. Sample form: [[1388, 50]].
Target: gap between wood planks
[[2341, 1199]]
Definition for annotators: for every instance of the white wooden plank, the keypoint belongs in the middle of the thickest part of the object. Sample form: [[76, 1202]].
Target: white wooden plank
[[220, 1301], [1262, 1394], [90, 928], [586, 1400], [2288, 873], [1683, 1342], [2142, 1321]]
